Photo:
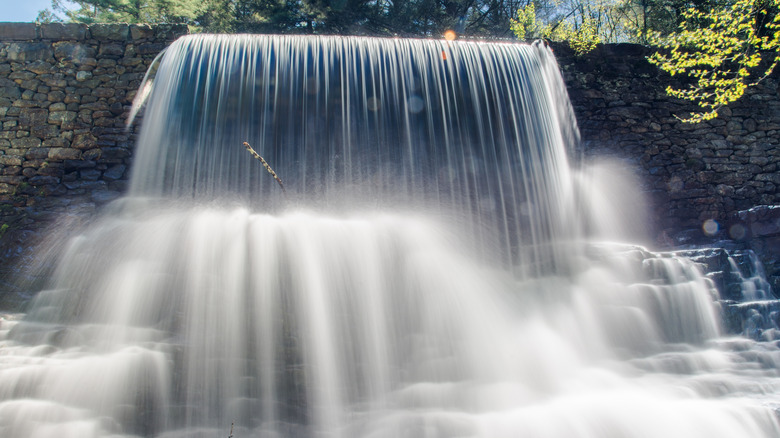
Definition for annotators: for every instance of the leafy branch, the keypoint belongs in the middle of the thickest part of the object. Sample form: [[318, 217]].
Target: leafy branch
[[721, 56]]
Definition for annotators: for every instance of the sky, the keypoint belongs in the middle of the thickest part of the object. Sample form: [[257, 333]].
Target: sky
[[22, 10]]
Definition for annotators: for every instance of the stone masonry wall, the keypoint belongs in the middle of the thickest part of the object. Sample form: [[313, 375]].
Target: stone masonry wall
[[65, 92], [694, 173]]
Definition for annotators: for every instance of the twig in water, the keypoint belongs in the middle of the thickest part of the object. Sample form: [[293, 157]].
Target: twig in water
[[265, 164], [231, 431]]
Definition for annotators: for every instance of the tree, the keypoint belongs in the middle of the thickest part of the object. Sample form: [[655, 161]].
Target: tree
[[723, 51], [129, 11], [662, 17], [46, 16], [419, 18], [577, 27]]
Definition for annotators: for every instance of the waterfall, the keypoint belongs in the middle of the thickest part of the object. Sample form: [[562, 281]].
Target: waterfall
[[430, 272], [479, 131]]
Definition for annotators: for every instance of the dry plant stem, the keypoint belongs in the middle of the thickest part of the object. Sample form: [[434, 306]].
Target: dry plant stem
[[265, 164], [231, 431]]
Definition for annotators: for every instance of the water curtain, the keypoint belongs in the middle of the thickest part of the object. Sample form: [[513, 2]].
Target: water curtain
[[480, 131]]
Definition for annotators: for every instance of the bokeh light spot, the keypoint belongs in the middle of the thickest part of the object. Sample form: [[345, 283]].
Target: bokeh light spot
[[710, 227], [675, 184], [372, 103], [737, 231], [415, 104], [450, 35]]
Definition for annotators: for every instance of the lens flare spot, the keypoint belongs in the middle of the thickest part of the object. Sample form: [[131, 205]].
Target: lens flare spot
[[710, 227], [737, 231], [675, 184], [526, 208], [450, 35], [487, 204], [372, 103], [415, 104]]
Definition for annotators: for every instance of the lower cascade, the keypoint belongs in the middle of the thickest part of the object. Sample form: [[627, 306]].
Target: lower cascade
[[437, 269]]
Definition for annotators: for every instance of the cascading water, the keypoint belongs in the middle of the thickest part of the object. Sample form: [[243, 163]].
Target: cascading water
[[479, 131], [427, 277]]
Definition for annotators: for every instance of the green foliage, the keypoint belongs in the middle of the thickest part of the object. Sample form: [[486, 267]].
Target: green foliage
[[582, 39], [525, 25], [582, 36], [722, 51]]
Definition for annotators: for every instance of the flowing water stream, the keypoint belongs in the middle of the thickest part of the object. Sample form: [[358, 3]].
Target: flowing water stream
[[437, 268]]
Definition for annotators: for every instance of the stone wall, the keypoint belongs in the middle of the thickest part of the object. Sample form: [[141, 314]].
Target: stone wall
[[694, 174], [65, 92]]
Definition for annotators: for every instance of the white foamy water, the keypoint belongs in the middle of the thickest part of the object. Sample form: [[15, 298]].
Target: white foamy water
[[180, 323], [430, 275]]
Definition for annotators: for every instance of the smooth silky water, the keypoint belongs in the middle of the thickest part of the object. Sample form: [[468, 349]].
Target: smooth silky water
[[437, 269]]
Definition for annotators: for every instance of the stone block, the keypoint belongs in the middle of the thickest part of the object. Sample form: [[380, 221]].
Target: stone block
[[78, 164], [61, 154], [31, 85], [33, 116], [26, 142], [45, 131], [104, 92], [92, 154], [56, 96], [90, 174], [42, 180], [150, 48], [54, 81], [114, 173], [12, 179], [60, 117], [103, 64], [18, 31], [110, 153], [63, 31], [111, 49], [116, 32], [130, 62], [10, 92], [141, 31], [10, 160], [39, 67], [37, 153], [84, 141], [83, 76], [25, 51], [77, 53], [12, 170]]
